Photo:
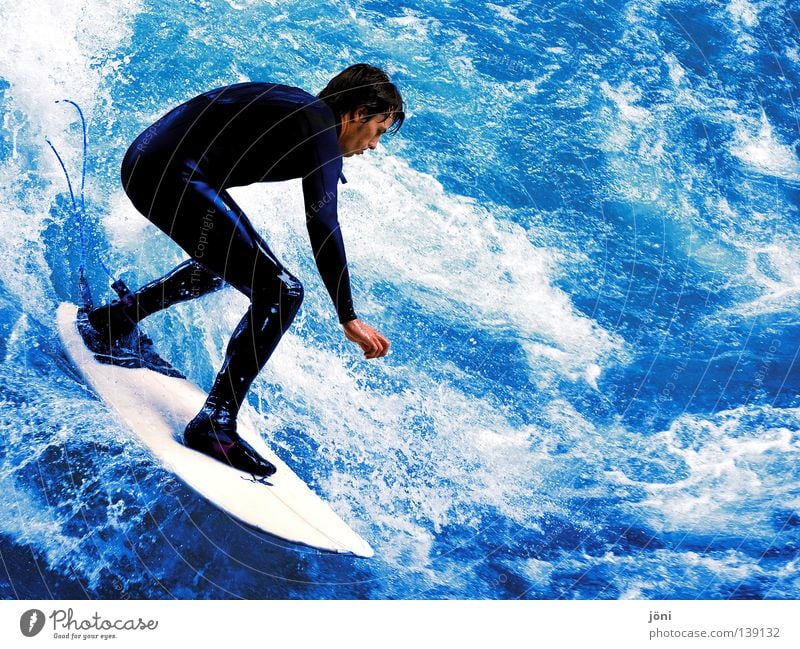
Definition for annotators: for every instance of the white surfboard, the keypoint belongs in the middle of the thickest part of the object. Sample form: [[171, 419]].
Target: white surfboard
[[157, 408]]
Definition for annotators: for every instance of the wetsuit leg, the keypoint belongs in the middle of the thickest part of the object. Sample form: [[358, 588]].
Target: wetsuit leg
[[206, 222], [187, 281], [209, 225]]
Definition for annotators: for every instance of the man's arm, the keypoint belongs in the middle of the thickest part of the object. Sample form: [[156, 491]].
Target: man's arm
[[320, 193]]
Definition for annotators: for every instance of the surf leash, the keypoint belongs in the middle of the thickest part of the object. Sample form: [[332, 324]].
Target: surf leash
[[117, 284]]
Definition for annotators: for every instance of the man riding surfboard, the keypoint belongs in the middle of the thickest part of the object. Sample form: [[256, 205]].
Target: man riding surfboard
[[176, 174]]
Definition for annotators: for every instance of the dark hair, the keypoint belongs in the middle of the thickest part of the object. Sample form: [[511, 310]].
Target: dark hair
[[368, 86]]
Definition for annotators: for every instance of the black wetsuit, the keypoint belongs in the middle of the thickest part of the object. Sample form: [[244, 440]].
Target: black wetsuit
[[176, 173]]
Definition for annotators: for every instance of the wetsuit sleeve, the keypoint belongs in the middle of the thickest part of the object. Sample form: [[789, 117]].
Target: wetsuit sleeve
[[320, 192]]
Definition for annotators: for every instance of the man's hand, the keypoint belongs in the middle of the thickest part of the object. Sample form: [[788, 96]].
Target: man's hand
[[371, 342]]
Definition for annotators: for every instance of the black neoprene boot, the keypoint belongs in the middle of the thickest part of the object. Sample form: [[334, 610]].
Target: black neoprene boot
[[111, 321], [213, 432]]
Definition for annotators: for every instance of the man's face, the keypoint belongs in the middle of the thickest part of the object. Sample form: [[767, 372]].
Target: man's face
[[360, 133]]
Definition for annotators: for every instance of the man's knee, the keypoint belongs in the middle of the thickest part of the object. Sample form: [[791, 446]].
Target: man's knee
[[292, 288], [202, 280], [285, 294], [292, 291]]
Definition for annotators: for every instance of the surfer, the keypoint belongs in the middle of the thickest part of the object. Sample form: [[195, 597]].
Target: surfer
[[176, 174]]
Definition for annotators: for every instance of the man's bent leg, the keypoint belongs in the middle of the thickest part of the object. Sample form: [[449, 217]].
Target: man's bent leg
[[187, 281], [213, 430], [254, 340], [233, 250]]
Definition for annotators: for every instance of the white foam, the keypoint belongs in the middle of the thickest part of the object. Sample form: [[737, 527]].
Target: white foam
[[669, 573], [506, 14], [732, 486], [538, 572], [44, 519], [456, 258], [743, 12], [776, 270], [763, 152], [414, 475], [411, 26], [22, 250], [624, 97], [51, 51], [676, 71]]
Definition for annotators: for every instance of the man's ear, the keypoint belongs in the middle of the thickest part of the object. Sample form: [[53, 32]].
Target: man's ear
[[360, 114]]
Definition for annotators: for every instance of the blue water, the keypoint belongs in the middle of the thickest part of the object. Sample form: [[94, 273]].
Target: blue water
[[583, 244]]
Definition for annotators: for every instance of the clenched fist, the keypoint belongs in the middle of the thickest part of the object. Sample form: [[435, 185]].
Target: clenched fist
[[371, 342]]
